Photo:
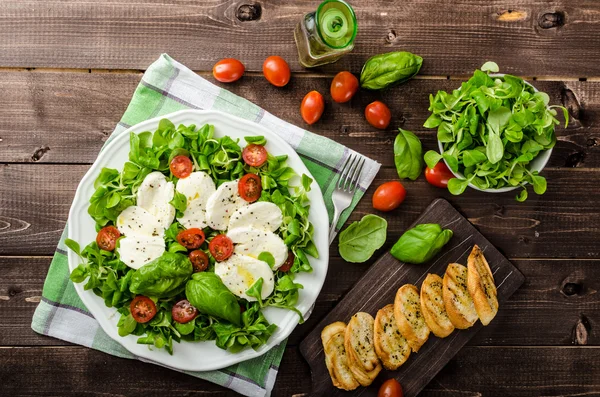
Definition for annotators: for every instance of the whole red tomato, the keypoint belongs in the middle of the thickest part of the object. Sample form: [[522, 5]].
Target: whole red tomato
[[389, 196], [276, 71], [439, 175], [228, 70], [343, 87], [378, 115], [312, 107], [390, 388]]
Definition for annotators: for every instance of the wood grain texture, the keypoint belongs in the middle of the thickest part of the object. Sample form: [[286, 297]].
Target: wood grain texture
[[378, 287], [558, 296], [475, 371], [66, 117], [522, 35], [562, 223]]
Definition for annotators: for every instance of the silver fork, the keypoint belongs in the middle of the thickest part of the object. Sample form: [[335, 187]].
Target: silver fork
[[345, 188]]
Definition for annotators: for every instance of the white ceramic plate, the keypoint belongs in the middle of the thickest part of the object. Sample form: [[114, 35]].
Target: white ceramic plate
[[199, 356]]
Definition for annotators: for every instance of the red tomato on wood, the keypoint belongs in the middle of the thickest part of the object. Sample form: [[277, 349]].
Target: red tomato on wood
[[378, 115], [228, 70], [276, 71], [439, 175], [312, 107], [343, 87], [389, 196], [390, 388]]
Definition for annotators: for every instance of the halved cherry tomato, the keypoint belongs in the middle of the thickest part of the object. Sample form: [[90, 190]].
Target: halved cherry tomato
[[142, 309], [181, 166], [183, 311], [221, 247], [254, 155], [250, 187], [390, 388], [276, 71], [343, 87], [388, 196], [228, 70], [107, 238], [199, 260], [439, 175], [378, 115], [289, 262], [191, 238], [312, 107]]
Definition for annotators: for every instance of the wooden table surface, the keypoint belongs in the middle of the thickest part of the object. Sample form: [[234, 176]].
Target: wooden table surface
[[69, 67]]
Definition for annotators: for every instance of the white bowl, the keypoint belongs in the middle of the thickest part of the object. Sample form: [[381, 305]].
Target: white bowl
[[537, 164]]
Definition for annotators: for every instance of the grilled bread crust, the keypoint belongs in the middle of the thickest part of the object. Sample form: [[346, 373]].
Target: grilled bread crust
[[433, 308], [457, 300], [481, 286], [409, 318], [391, 347], [360, 349]]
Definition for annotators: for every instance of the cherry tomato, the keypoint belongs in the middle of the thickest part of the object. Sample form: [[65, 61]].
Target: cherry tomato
[[199, 260], [228, 70], [254, 155], [276, 71], [191, 238], [221, 247], [142, 309], [388, 196], [390, 388], [289, 262], [312, 107], [343, 87], [439, 175], [378, 115], [181, 166], [107, 238], [250, 187], [183, 311]]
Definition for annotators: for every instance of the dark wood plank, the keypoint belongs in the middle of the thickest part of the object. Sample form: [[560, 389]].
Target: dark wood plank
[[559, 296], [66, 117], [521, 35], [378, 288], [475, 371], [35, 200]]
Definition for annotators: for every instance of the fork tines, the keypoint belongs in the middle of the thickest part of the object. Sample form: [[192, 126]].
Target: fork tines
[[351, 173]]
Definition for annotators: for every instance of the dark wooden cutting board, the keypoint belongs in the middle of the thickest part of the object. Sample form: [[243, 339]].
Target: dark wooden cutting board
[[378, 287]]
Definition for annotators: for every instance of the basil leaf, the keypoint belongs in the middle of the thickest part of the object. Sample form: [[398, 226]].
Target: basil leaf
[[361, 239], [408, 155], [383, 70], [207, 293], [421, 243], [163, 277]]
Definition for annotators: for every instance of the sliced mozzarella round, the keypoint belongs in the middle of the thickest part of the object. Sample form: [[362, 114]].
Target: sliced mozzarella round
[[240, 272], [136, 221], [251, 242], [135, 251], [194, 215], [154, 195], [198, 186], [262, 215], [222, 203]]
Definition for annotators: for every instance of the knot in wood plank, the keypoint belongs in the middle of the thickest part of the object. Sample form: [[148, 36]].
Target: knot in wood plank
[[249, 12], [552, 20], [581, 331], [570, 101], [391, 36], [39, 153], [575, 159]]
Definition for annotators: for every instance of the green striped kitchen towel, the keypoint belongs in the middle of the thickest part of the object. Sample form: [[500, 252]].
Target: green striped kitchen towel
[[168, 86]]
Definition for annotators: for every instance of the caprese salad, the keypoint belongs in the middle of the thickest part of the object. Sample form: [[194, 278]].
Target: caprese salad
[[195, 236]]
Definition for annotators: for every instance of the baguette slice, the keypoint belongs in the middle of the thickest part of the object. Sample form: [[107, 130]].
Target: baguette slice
[[391, 347], [432, 305], [362, 359], [458, 301], [409, 318], [336, 360], [480, 282]]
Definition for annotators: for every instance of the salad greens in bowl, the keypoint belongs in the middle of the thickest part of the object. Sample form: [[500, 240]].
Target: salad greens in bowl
[[198, 240], [495, 133]]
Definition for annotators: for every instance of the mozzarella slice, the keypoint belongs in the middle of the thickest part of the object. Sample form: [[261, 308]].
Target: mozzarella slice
[[222, 203], [262, 215], [154, 195], [197, 188], [135, 250], [251, 242], [240, 272], [136, 221]]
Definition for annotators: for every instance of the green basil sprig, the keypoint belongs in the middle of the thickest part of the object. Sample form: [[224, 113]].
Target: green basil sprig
[[383, 70], [408, 155], [421, 243], [361, 239]]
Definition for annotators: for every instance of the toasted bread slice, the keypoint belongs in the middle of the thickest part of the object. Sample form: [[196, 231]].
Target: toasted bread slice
[[362, 359], [480, 282], [327, 335], [409, 318], [339, 371], [458, 301], [391, 347], [433, 308]]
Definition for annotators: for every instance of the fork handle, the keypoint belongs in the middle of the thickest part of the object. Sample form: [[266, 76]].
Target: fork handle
[[336, 218]]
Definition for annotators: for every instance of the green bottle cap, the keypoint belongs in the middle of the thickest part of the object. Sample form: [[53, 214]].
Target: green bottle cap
[[336, 23]]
